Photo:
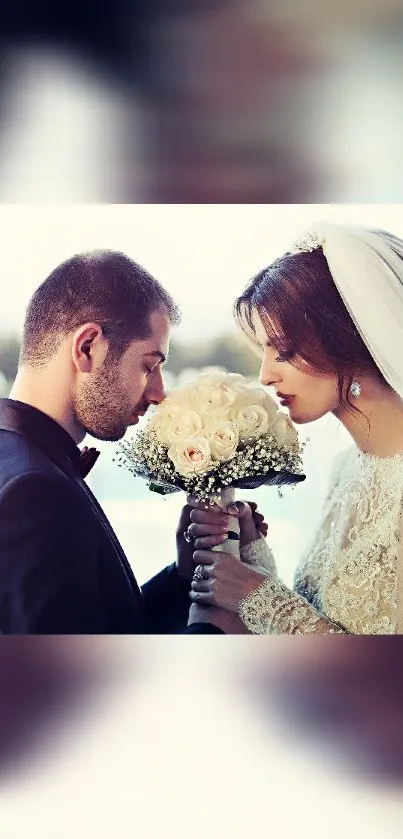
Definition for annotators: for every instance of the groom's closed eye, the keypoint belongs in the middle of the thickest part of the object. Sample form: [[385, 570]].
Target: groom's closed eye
[[151, 367], [156, 354]]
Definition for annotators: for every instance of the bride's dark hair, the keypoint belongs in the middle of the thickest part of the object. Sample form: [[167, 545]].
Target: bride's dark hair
[[305, 318]]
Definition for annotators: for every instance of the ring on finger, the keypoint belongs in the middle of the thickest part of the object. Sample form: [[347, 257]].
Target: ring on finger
[[188, 537], [198, 575]]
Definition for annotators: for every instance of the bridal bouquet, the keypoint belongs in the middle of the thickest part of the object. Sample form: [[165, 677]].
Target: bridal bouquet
[[215, 433]]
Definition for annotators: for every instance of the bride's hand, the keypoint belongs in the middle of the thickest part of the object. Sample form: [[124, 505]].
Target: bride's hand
[[226, 580], [210, 524]]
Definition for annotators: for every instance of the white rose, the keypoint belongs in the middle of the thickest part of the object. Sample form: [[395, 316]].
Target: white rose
[[211, 392], [213, 396], [191, 456], [224, 439], [280, 428], [219, 377], [236, 380], [233, 381], [162, 415], [154, 424], [251, 419], [175, 399], [292, 437], [258, 396], [269, 405], [179, 424]]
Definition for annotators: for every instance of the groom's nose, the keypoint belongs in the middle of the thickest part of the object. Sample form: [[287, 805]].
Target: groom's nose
[[155, 391]]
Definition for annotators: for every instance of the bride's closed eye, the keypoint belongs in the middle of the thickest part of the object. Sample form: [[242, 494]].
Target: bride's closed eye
[[285, 356], [282, 356]]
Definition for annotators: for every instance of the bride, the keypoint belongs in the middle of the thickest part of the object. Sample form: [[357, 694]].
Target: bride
[[328, 318]]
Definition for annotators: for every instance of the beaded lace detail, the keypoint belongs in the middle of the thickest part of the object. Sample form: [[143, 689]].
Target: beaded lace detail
[[351, 579], [259, 553]]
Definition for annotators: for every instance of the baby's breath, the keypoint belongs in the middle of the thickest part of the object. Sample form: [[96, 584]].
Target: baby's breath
[[143, 457], [146, 456]]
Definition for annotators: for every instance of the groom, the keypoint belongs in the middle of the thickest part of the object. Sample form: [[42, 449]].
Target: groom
[[96, 334]]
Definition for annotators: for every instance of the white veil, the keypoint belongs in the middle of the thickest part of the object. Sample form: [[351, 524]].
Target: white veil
[[367, 269]]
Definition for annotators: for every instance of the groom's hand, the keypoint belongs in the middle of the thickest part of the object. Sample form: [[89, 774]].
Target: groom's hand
[[210, 524], [217, 536], [209, 527], [184, 551]]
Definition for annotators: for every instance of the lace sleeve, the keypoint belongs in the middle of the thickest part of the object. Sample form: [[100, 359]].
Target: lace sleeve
[[259, 553], [274, 609], [399, 579], [352, 579]]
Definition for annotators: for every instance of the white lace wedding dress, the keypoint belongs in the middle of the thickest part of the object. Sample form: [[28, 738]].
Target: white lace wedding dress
[[351, 579]]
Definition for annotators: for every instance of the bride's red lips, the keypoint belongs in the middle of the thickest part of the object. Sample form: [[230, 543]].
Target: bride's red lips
[[285, 400]]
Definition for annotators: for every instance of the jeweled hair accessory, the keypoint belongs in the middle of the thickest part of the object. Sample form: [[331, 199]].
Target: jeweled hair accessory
[[366, 264], [308, 242]]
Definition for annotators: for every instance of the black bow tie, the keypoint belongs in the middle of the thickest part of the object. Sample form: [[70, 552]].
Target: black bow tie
[[87, 459]]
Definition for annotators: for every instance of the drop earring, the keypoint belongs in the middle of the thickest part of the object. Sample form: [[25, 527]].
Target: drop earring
[[355, 389]]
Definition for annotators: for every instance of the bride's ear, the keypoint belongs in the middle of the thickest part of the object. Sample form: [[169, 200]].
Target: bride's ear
[[89, 348]]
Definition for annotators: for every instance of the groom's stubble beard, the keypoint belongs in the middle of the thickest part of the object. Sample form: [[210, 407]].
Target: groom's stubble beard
[[102, 406]]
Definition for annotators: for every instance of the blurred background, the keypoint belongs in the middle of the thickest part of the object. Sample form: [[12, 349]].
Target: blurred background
[[201, 101]]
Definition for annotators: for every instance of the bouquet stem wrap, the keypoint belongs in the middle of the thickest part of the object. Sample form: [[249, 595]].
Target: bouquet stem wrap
[[223, 499]]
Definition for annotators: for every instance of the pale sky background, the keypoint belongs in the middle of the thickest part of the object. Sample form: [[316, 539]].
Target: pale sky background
[[203, 253]]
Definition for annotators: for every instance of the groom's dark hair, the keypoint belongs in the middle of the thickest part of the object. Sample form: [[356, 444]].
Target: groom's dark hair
[[103, 286]]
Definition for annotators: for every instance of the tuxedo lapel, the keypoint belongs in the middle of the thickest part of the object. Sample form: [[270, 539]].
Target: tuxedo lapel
[[42, 431], [102, 518], [60, 448]]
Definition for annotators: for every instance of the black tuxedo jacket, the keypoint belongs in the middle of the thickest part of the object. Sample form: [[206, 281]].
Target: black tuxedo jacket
[[62, 569]]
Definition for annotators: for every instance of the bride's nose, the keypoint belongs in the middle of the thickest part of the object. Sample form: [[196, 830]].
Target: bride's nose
[[268, 376]]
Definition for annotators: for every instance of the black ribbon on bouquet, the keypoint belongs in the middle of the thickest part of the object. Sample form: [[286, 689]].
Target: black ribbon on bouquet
[[270, 478]]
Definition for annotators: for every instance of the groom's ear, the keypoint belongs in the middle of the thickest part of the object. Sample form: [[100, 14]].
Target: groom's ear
[[89, 347]]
